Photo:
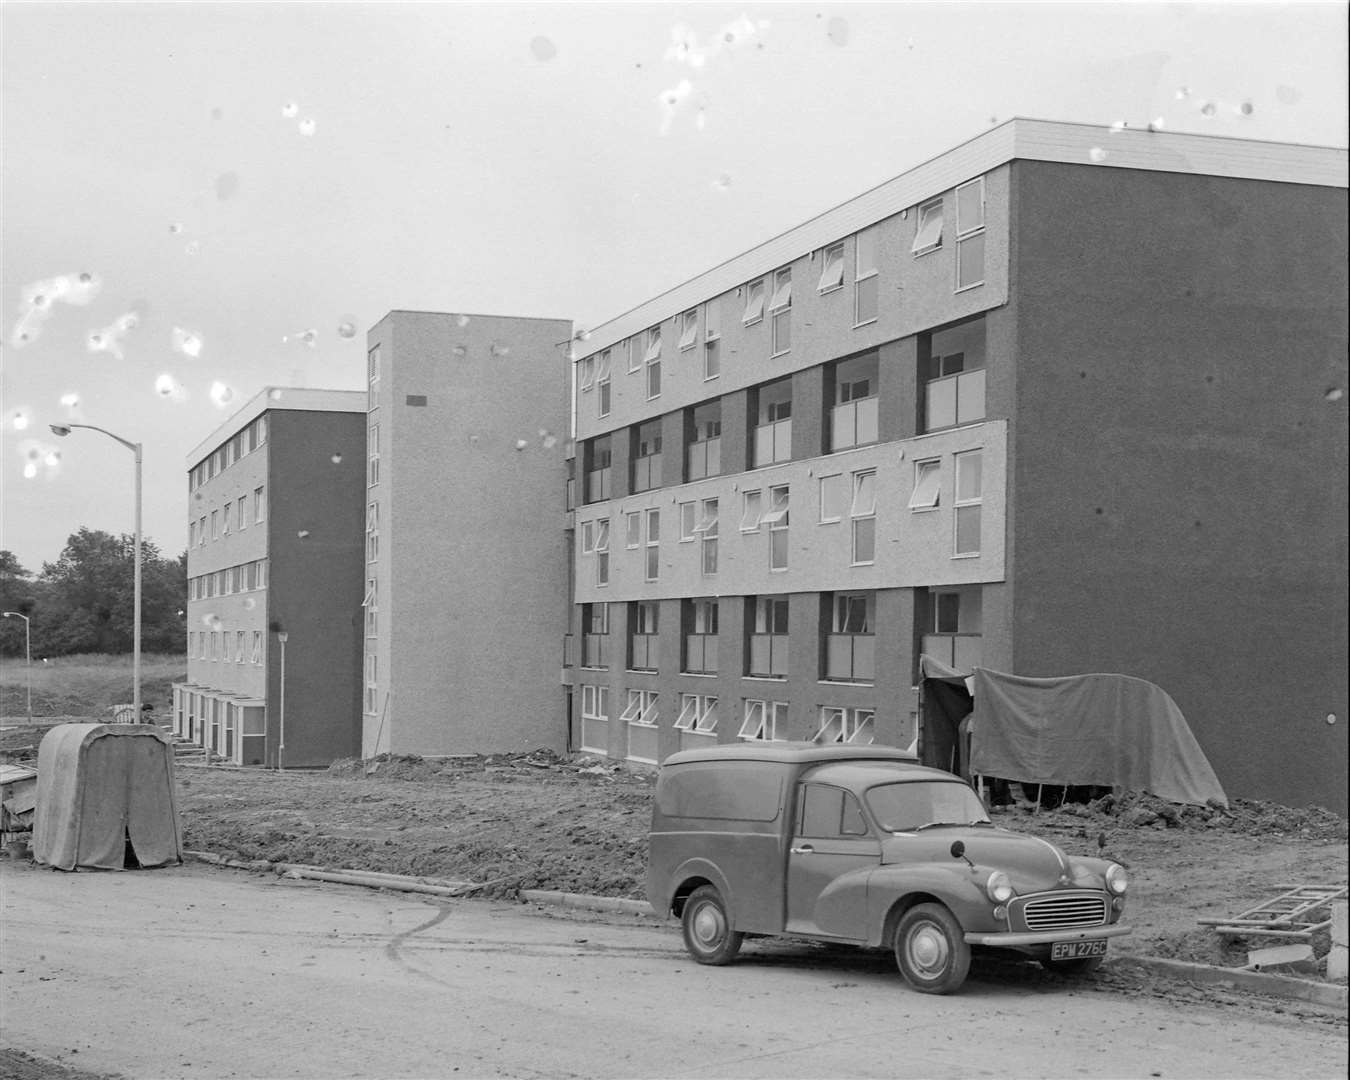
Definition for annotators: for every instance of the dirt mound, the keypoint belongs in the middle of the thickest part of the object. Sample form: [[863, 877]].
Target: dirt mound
[[525, 821], [1253, 817]]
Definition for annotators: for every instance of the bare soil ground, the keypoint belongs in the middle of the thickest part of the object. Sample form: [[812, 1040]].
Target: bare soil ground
[[578, 824]]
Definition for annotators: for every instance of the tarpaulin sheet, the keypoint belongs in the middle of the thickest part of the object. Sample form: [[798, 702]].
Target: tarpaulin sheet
[[1107, 730], [100, 785]]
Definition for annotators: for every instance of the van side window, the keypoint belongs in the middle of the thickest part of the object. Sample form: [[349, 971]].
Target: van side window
[[830, 811]]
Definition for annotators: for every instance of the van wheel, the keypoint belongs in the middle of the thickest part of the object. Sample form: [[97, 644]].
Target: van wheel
[[931, 950], [707, 929], [1083, 965]]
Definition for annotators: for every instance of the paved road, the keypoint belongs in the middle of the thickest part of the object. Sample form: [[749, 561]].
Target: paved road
[[195, 972]]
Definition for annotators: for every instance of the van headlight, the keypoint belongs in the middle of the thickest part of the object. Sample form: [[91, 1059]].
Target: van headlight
[[998, 888], [1116, 880]]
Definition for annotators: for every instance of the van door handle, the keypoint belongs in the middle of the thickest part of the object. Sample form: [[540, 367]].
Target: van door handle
[[805, 849]]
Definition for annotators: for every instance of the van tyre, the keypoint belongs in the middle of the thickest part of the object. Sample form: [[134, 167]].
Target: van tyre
[[707, 928], [931, 949]]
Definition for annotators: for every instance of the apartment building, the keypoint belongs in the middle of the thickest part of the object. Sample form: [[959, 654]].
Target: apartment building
[[1061, 400], [465, 594], [275, 558]]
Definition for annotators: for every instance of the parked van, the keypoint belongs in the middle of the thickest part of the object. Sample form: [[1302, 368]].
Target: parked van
[[861, 844]]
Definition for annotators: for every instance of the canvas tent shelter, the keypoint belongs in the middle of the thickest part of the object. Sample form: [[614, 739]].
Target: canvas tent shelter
[[105, 798], [1102, 730]]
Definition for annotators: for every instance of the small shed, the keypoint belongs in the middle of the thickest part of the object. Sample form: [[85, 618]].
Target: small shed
[[106, 798]]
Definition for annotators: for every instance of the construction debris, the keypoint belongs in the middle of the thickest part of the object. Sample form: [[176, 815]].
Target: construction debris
[[1298, 912], [1282, 958]]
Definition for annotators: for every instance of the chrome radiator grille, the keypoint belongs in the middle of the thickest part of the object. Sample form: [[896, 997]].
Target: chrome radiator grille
[[1065, 911]]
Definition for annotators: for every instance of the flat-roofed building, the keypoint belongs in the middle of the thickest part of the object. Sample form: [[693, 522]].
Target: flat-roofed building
[[1057, 401], [275, 556]]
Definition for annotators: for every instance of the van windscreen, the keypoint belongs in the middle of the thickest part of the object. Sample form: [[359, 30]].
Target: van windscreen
[[726, 790]]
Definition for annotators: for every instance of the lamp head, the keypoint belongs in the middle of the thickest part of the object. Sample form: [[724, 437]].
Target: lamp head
[[59, 429]]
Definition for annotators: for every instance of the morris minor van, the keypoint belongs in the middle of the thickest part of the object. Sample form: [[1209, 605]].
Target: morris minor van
[[863, 845]]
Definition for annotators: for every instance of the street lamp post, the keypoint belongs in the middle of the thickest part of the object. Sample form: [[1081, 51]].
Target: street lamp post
[[135, 448], [281, 743], [27, 655]]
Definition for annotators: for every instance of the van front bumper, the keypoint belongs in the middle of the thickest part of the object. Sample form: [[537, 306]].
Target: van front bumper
[[1013, 940]]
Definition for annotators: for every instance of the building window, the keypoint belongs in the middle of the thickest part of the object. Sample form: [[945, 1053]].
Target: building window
[[927, 485], [863, 513], [373, 365], [846, 726], [641, 708], [777, 520], [640, 715], [647, 462], [705, 445], [652, 358], [643, 635], [712, 339], [225, 515], [602, 383], [928, 231], [832, 268], [633, 527], [652, 565], [201, 532], [853, 419], [970, 234], [768, 656], [969, 483], [754, 302], [259, 504], [752, 507], [372, 532], [215, 524], [765, 721], [831, 498], [257, 647], [953, 620], [372, 455], [371, 605], [635, 352], [239, 646], [586, 373], [231, 452], [700, 636], [241, 512], [688, 323], [595, 635], [372, 681], [698, 713], [595, 719], [780, 311], [688, 520], [707, 530], [773, 431], [866, 281], [597, 462], [850, 640], [954, 376], [602, 552]]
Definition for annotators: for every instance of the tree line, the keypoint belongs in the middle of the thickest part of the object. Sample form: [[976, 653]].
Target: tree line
[[85, 601]]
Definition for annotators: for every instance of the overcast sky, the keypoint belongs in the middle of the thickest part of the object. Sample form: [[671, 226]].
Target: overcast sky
[[237, 175]]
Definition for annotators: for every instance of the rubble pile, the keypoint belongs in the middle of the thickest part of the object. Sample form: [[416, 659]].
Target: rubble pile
[[523, 764], [1139, 809]]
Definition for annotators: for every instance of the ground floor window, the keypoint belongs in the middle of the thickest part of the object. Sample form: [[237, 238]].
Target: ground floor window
[[595, 719], [846, 725], [765, 721]]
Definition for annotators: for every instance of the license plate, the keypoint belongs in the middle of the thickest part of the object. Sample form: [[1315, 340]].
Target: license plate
[[1073, 950]]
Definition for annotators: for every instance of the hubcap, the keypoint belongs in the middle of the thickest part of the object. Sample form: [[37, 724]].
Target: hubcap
[[928, 949], [708, 925]]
